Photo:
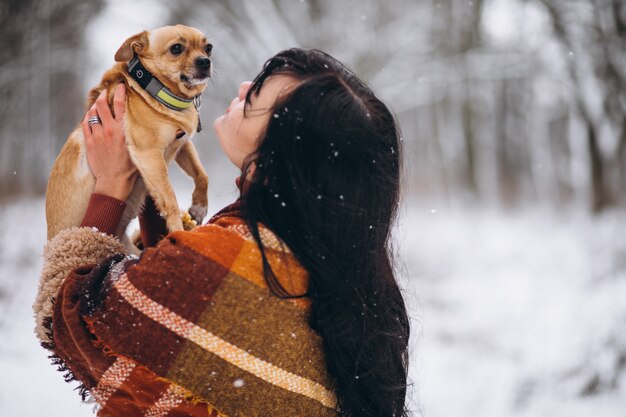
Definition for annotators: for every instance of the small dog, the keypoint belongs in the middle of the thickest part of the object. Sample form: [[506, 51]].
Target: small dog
[[165, 72]]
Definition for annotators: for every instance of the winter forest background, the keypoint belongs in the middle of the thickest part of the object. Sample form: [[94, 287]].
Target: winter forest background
[[512, 234]]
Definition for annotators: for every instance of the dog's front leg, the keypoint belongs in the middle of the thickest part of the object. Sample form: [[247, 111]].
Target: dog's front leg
[[153, 169], [187, 158]]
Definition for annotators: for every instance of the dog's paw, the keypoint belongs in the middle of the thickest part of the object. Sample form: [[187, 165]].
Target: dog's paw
[[198, 212], [188, 222]]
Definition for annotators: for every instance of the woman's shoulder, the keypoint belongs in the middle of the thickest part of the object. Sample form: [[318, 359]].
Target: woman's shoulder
[[224, 250], [225, 239]]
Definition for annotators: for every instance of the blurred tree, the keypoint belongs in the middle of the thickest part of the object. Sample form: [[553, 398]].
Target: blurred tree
[[41, 82], [458, 34], [539, 114], [593, 36]]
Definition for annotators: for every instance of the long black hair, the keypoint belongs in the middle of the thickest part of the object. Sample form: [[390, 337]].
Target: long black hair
[[327, 182]]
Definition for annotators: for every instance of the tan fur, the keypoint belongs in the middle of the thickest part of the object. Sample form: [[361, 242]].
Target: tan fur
[[150, 130]]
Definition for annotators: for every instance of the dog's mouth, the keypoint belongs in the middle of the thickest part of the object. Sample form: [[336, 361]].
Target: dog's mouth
[[194, 80]]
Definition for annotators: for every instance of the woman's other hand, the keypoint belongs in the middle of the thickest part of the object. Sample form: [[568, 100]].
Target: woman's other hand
[[105, 144]]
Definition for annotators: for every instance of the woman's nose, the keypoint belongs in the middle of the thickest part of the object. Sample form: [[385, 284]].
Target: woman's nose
[[243, 89]]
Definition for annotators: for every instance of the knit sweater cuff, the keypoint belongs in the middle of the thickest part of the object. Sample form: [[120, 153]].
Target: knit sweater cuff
[[103, 213]]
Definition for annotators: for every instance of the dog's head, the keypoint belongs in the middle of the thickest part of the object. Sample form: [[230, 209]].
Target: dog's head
[[179, 56]]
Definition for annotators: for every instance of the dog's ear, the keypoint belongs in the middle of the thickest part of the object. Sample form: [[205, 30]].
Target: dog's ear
[[131, 45]]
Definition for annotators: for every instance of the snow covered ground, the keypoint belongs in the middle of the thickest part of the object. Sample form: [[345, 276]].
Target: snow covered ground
[[518, 314], [515, 314]]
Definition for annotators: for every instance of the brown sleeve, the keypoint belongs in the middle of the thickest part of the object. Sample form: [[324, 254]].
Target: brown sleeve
[[103, 213], [151, 224]]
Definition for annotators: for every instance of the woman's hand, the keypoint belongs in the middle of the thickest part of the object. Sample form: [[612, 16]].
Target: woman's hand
[[105, 144]]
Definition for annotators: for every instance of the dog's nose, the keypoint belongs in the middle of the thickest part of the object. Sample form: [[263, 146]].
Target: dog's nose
[[203, 63]]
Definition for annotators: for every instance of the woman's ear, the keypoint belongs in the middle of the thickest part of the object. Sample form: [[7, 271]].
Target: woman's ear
[[131, 45], [243, 183], [250, 171]]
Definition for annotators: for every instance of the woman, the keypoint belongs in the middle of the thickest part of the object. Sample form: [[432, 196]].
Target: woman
[[284, 303]]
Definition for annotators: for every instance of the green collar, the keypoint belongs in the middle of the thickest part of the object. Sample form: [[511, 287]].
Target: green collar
[[156, 89]]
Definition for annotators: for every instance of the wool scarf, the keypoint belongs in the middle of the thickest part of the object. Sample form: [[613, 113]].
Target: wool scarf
[[189, 328]]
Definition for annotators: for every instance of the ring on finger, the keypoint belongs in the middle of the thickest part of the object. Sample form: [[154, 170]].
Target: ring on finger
[[95, 120]]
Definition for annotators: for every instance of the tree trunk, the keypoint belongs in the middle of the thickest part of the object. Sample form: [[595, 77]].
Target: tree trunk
[[600, 196], [508, 186], [470, 146]]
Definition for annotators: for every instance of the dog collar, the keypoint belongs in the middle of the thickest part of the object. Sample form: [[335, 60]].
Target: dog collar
[[156, 89]]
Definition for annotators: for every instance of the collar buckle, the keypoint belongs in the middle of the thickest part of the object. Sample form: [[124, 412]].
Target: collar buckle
[[197, 101]]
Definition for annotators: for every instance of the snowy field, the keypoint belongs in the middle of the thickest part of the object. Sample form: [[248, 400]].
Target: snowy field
[[515, 314]]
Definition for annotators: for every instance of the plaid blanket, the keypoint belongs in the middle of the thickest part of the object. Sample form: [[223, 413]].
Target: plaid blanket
[[188, 329]]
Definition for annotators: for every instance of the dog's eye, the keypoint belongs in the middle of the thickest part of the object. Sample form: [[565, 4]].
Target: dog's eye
[[208, 49], [176, 49]]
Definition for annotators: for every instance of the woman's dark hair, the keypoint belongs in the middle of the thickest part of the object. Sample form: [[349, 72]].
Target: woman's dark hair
[[327, 183]]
